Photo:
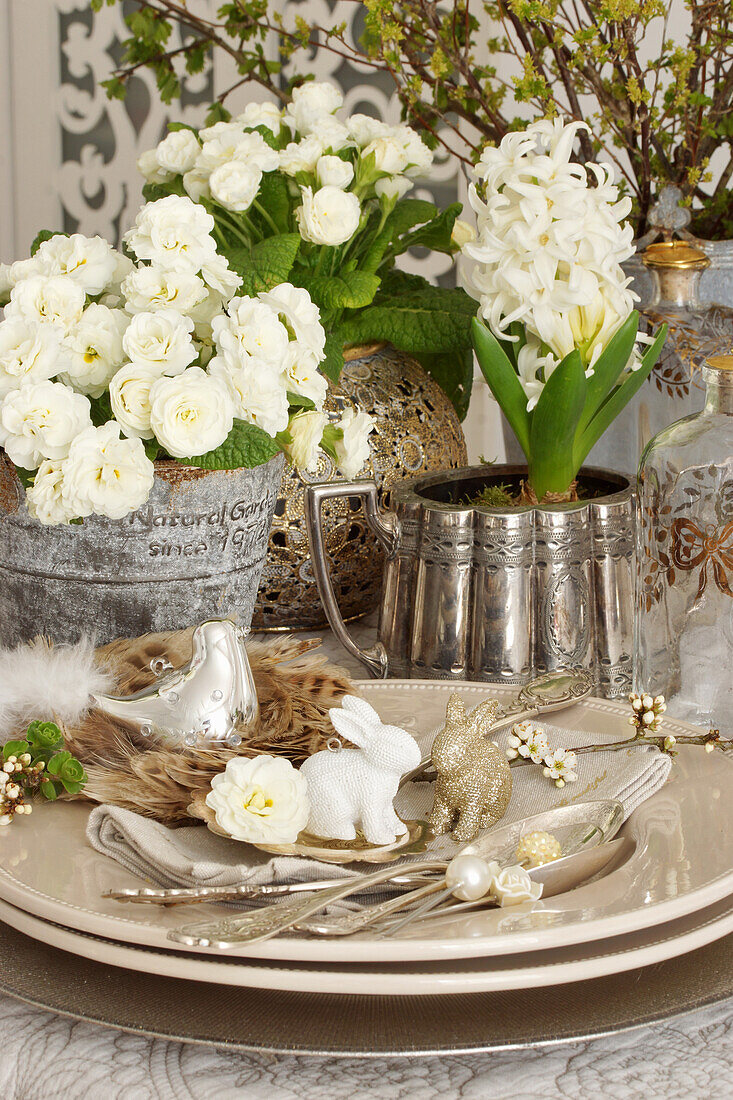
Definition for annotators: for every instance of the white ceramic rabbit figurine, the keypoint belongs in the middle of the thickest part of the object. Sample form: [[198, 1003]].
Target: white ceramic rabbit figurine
[[356, 787]]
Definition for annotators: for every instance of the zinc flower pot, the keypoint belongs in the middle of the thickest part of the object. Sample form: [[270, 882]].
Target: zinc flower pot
[[498, 594], [416, 431], [194, 551]]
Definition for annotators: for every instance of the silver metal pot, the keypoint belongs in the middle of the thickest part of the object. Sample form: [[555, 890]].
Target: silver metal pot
[[194, 552], [495, 594]]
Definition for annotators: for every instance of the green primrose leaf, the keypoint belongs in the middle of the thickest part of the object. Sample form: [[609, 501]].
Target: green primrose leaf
[[245, 446], [266, 265]]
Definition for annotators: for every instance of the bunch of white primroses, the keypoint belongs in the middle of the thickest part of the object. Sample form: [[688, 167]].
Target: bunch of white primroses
[[334, 163], [106, 364], [549, 250]]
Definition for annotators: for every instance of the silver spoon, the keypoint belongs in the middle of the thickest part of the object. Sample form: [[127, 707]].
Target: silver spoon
[[192, 895], [553, 691], [586, 824], [557, 878]]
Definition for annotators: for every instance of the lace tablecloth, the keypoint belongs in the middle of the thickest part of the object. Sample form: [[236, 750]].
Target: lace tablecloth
[[47, 1057]]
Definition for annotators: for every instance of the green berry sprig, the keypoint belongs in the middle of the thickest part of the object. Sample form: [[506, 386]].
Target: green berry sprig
[[39, 764]]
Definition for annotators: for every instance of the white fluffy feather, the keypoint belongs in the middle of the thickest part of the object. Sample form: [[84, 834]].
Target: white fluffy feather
[[48, 682]]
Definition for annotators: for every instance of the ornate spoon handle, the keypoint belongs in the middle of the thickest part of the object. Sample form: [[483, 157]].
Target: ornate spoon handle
[[270, 921], [354, 922]]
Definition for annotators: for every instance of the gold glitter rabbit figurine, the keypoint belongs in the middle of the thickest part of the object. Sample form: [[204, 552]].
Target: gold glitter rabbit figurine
[[474, 781]]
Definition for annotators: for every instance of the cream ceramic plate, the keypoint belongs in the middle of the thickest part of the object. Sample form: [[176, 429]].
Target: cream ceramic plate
[[530, 971], [683, 862]]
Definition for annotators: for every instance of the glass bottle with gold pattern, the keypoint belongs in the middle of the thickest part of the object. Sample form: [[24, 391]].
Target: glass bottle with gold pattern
[[684, 592]]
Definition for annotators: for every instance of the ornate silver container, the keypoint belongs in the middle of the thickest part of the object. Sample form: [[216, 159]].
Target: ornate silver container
[[195, 551], [497, 594]]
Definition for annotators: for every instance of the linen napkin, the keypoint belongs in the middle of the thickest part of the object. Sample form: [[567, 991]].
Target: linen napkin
[[194, 856]]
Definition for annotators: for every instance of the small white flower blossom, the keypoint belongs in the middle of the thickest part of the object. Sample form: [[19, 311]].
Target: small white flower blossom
[[328, 216], [44, 497], [90, 261], [261, 800], [174, 233], [560, 765], [331, 171], [47, 299], [235, 185], [148, 289], [94, 349], [353, 450], [105, 474], [268, 115], [190, 414], [40, 420], [306, 432], [129, 394], [160, 340], [148, 166], [311, 104], [28, 353], [178, 151]]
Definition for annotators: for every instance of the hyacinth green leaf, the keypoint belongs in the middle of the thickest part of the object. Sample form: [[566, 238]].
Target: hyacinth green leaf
[[619, 398], [608, 368], [503, 382], [554, 423], [245, 446]]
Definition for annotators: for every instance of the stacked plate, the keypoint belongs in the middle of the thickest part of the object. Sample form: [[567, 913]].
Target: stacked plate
[[673, 894]]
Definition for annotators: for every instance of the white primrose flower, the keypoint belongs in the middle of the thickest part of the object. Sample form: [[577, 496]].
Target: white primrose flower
[[149, 289], [196, 184], [245, 146], [261, 800], [106, 475], [90, 261], [299, 314], [364, 129], [251, 329], [303, 376], [190, 414], [221, 130], [94, 349], [235, 185], [311, 102], [41, 420], [329, 216], [47, 299], [160, 340], [331, 171], [353, 450], [301, 156], [258, 392], [148, 166], [398, 151], [333, 134], [28, 353], [177, 152], [174, 233], [306, 430], [265, 114], [217, 275], [129, 394], [10, 274], [44, 498], [392, 188]]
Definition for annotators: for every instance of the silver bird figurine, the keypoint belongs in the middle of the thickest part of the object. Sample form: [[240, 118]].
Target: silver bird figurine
[[207, 702]]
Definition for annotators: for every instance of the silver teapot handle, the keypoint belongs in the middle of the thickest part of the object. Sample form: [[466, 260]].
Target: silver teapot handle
[[383, 525]]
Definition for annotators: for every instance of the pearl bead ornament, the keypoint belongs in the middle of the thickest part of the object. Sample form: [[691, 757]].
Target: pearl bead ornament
[[469, 877]]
